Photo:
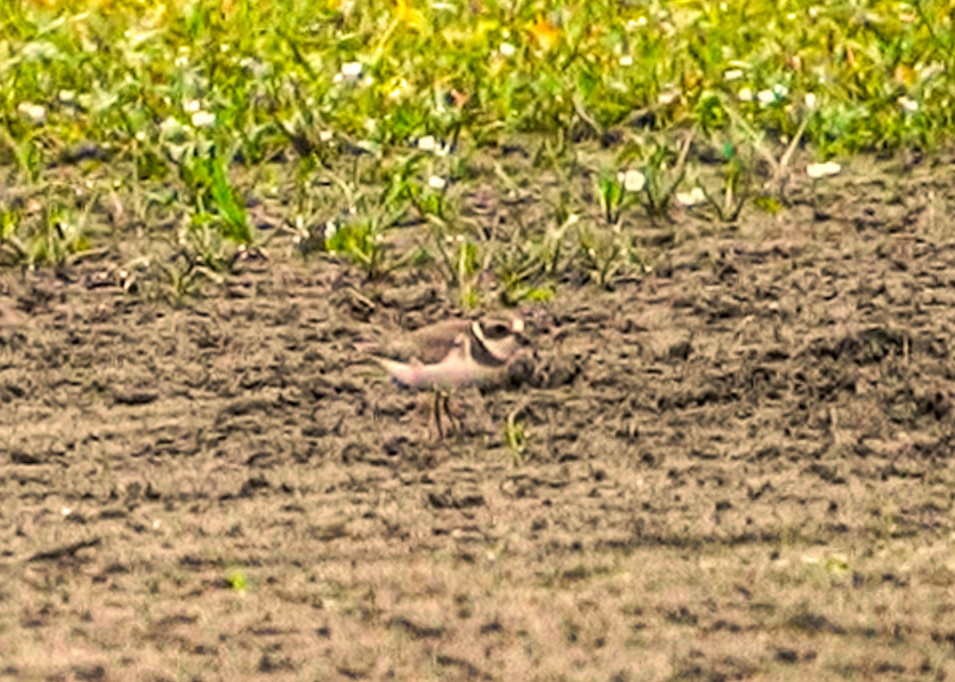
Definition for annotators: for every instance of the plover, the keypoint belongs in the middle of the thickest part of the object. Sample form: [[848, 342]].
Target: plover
[[455, 353]]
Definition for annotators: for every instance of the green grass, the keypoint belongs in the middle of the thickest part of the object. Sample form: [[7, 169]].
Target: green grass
[[385, 112]]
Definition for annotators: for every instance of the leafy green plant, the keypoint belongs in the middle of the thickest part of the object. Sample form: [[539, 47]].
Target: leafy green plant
[[663, 169], [736, 184], [755, 143], [461, 260], [362, 242], [353, 90], [25, 150], [214, 199], [51, 239], [430, 199], [12, 248], [529, 264], [184, 277], [208, 247], [361, 234], [604, 254], [611, 193]]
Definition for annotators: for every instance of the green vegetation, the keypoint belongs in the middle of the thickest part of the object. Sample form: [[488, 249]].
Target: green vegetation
[[162, 125]]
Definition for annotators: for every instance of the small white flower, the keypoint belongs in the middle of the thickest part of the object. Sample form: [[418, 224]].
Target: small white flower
[[791, 16], [192, 106], [37, 50], [822, 170], [436, 182], [401, 89], [427, 143], [258, 69], [181, 61], [351, 70], [780, 91], [325, 136], [745, 95], [632, 180], [667, 98], [813, 12], [66, 96], [692, 198], [733, 75], [626, 60], [766, 96], [203, 119], [908, 104], [35, 112], [810, 100], [331, 227], [170, 127], [507, 50]]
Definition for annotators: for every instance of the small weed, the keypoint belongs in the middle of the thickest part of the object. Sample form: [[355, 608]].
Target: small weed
[[462, 261], [529, 264], [237, 580], [50, 239], [736, 184], [604, 255], [663, 171], [515, 437], [361, 241]]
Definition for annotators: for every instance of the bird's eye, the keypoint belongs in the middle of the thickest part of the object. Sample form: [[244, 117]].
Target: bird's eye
[[498, 331]]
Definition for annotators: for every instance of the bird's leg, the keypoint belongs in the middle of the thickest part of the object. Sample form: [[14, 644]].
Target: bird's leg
[[446, 403], [438, 394]]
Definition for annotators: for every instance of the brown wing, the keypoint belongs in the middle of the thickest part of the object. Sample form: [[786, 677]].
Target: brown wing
[[428, 345]]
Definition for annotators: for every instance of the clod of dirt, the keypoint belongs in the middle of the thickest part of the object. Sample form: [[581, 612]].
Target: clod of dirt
[[449, 500], [134, 396], [554, 372]]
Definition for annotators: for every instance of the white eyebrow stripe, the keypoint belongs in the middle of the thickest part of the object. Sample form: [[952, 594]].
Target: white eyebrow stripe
[[478, 331]]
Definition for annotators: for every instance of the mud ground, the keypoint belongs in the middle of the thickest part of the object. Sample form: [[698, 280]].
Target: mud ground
[[740, 467]]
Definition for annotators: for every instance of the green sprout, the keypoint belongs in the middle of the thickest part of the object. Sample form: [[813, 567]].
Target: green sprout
[[237, 580]]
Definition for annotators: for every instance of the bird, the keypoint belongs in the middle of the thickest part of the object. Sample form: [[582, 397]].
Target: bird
[[454, 353]]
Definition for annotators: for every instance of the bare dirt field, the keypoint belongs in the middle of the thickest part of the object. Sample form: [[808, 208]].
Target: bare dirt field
[[738, 466]]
